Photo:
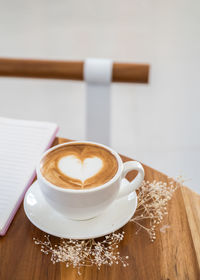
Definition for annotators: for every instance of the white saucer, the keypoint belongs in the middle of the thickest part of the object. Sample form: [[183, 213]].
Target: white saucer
[[43, 216]]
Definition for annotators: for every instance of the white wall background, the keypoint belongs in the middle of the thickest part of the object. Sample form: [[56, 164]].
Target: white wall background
[[156, 123]]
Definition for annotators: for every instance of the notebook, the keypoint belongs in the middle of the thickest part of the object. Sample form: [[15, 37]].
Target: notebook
[[21, 144]]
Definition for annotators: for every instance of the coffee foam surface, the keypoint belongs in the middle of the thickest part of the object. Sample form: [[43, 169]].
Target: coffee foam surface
[[79, 166]]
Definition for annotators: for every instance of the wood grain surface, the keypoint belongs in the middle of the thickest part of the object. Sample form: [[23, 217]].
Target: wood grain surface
[[174, 255], [69, 70]]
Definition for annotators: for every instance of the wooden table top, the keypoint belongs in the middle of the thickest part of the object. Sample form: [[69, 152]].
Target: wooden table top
[[174, 255]]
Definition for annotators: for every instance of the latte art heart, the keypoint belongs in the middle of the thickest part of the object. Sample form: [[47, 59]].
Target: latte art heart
[[82, 170], [79, 166]]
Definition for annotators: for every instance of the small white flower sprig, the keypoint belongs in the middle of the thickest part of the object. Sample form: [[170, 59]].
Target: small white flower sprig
[[152, 204], [79, 253]]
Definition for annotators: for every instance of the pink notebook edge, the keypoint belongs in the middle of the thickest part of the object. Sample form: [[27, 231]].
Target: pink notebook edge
[[14, 211]]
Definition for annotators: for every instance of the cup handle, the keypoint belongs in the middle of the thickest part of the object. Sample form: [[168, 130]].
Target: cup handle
[[135, 183]]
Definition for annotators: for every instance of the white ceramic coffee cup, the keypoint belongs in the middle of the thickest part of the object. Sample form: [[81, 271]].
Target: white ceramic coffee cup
[[89, 203]]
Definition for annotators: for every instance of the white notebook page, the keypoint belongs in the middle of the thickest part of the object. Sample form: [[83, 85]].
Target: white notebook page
[[21, 144]]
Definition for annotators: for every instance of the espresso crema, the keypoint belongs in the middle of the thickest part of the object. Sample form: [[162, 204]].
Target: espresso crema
[[79, 166]]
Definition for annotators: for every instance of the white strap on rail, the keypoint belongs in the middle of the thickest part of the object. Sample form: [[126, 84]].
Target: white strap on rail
[[98, 77]]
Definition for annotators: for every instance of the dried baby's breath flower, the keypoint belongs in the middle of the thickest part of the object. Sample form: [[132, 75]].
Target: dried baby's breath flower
[[152, 204], [79, 253], [152, 207]]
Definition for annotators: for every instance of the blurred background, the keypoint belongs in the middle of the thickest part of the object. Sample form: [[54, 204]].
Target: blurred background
[[157, 123]]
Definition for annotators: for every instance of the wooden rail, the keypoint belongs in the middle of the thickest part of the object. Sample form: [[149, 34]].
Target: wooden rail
[[69, 70]]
